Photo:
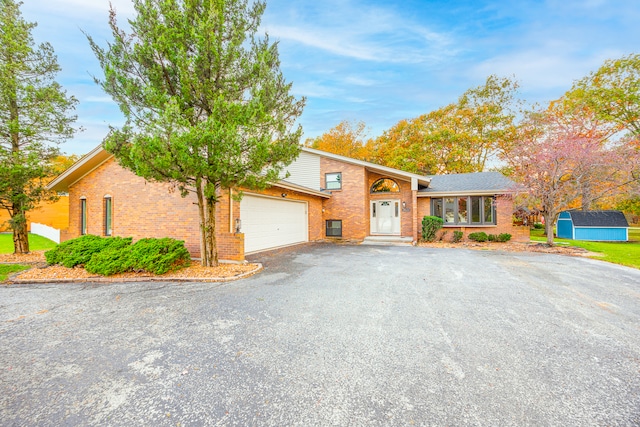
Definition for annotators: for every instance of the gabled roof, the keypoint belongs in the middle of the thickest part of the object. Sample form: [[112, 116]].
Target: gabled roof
[[79, 169], [99, 155], [598, 219], [382, 170], [462, 184]]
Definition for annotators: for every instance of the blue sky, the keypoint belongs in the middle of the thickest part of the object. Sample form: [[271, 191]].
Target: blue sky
[[375, 61]]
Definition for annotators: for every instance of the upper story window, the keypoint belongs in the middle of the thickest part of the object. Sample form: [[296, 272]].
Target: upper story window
[[473, 210], [385, 185], [333, 181]]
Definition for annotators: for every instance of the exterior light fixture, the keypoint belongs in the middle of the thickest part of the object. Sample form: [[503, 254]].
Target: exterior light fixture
[[284, 194], [238, 225]]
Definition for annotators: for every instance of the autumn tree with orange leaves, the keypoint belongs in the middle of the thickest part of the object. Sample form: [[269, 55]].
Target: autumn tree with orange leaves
[[457, 138], [345, 139]]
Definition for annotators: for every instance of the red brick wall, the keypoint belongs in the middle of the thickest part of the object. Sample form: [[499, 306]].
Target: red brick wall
[[349, 204], [504, 223], [149, 209], [405, 195], [146, 209]]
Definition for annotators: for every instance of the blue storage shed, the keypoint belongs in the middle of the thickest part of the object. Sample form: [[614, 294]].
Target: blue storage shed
[[593, 225]]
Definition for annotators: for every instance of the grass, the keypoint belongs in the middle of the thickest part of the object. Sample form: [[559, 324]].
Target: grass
[[624, 253], [36, 243], [6, 269]]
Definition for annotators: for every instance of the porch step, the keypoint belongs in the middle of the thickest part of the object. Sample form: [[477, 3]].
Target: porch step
[[387, 240]]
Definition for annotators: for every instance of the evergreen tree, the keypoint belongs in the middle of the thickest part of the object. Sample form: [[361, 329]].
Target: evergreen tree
[[205, 102], [34, 118]]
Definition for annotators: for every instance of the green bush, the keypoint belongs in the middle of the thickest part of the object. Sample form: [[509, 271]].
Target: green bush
[[457, 236], [492, 238], [430, 226], [79, 251], [480, 236], [157, 256], [504, 237], [538, 225], [110, 261]]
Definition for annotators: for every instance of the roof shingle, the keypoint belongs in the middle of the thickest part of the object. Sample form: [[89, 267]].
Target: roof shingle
[[490, 182], [598, 219]]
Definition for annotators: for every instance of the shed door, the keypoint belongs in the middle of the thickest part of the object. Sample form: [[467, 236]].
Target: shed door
[[269, 222]]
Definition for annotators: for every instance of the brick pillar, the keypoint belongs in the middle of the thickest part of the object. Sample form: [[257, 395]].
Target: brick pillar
[[414, 212]]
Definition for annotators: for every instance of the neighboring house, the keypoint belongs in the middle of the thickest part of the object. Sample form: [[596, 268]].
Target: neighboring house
[[54, 215], [593, 225], [324, 197]]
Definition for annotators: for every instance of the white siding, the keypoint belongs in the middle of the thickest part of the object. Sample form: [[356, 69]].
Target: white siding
[[305, 171]]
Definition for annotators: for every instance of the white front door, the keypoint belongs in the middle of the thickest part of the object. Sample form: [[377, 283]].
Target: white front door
[[385, 217]]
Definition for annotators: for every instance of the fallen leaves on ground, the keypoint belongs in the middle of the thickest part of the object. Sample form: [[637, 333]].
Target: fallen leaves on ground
[[33, 257]]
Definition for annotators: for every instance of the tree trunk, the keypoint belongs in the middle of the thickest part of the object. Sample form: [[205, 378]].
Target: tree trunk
[[211, 232], [548, 227], [207, 212], [20, 235], [203, 243]]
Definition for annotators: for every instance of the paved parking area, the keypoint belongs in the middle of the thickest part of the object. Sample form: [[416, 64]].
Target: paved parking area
[[333, 335]]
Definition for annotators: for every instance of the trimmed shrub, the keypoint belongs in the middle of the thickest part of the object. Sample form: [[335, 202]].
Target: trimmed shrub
[[79, 251], [157, 256], [110, 261], [538, 225], [492, 238], [457, 236], [480, 236], [504, 237], [430, 226]]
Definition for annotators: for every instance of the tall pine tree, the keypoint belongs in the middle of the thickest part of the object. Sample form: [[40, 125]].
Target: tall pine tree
[[206, 105], [34, 118]]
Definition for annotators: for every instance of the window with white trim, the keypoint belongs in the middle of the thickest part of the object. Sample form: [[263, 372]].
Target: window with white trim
[[108, 215], [83, 216]]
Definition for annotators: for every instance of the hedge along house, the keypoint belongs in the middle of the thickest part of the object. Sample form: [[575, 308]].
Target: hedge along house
[[324, 197], [593, 225]]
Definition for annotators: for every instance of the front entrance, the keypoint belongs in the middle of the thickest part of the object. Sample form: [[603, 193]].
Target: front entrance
[[385, 217]]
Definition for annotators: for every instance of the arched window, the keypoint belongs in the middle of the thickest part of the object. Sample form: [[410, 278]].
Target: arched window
[[385, 185]]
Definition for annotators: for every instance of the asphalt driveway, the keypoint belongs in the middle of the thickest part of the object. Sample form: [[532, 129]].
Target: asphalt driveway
[[333, 335]]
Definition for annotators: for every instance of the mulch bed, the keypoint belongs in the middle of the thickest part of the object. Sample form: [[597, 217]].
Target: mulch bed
[[513, 247], [43, 273]]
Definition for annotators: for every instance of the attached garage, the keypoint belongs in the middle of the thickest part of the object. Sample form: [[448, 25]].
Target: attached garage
[[269, 222]]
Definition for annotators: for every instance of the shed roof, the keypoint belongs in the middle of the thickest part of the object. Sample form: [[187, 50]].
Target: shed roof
[[469, 183], [598, 219]]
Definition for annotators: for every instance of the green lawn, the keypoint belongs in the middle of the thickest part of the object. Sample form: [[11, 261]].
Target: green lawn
[[6, 269], [36, 243], [625, 253]]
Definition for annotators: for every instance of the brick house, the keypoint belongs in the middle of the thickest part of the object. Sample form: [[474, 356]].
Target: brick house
[[324, 197]]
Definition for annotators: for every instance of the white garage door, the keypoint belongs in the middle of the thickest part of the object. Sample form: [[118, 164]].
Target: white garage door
[[269, 223]]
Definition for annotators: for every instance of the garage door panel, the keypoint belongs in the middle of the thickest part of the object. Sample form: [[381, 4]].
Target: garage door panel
[[269, 222]]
